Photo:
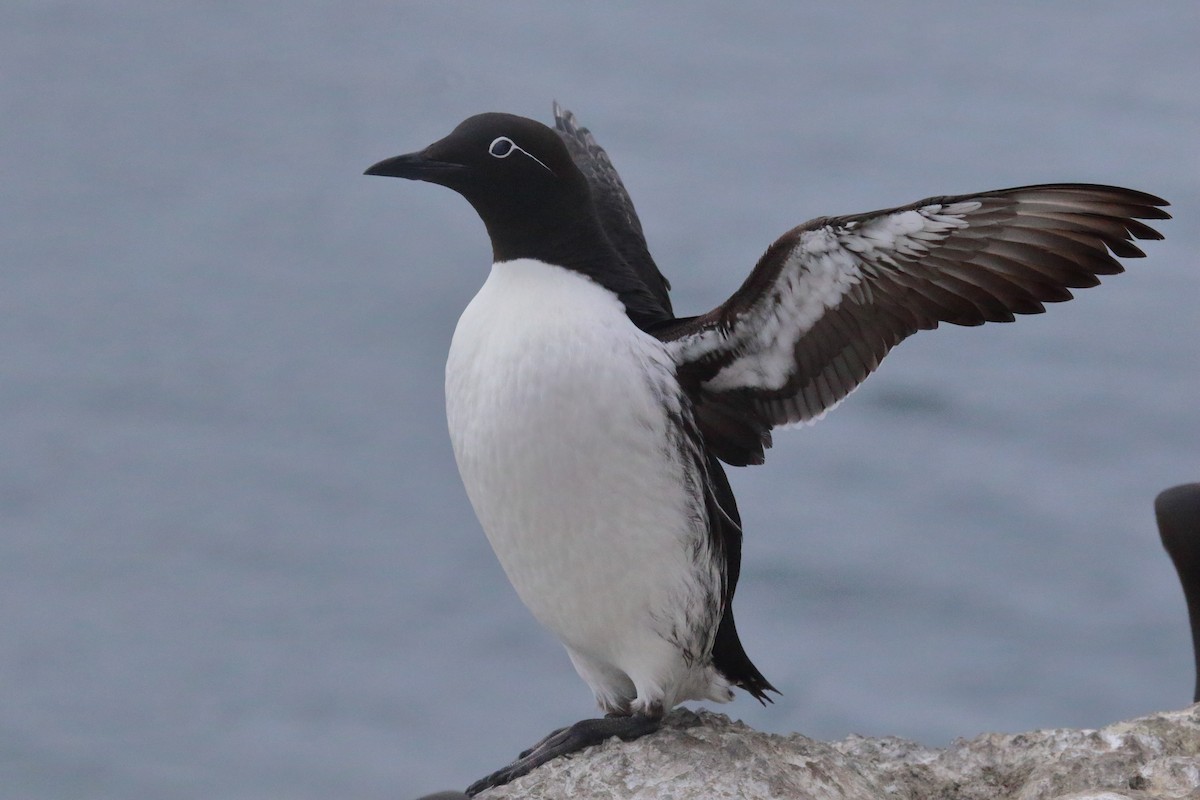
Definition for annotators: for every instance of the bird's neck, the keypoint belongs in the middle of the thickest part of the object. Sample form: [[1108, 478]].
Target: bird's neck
[[574, 240]]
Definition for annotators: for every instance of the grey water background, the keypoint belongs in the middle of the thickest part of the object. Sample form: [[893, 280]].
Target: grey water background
[[235, 557]]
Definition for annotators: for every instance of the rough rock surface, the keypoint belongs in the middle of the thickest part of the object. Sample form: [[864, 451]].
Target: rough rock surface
[[705, 755]]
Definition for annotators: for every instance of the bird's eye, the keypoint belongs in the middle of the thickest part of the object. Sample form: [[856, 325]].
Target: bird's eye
[[501, 147]]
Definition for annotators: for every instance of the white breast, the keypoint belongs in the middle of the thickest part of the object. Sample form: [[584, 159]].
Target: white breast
[[560, 413]]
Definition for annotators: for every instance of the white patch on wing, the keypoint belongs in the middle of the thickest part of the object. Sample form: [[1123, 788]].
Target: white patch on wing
[[816, 276], [906, 233], [825, 266]]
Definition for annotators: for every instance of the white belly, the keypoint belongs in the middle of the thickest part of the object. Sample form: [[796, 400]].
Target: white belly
[[560, 413]]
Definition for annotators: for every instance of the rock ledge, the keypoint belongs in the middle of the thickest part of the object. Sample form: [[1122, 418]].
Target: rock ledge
[[705, 755]]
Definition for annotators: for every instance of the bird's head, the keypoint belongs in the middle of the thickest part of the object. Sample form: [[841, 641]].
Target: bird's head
[[516, 172]]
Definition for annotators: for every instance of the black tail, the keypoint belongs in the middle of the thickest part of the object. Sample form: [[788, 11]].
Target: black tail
[[730, 658], [725, 529]]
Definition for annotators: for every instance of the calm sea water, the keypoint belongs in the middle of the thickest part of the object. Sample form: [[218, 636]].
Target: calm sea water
[[235, 557]]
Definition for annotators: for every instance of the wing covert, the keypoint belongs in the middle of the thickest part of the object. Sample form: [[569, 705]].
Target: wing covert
[[617, 215]]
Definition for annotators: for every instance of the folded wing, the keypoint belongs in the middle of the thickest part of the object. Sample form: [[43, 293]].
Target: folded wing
[[617, 215], [830, 298]]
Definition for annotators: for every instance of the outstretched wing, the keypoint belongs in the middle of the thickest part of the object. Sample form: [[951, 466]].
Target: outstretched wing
[[829, 299], [617, 215]]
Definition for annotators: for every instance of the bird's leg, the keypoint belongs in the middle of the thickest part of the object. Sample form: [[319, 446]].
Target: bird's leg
[[557, 731], [571, 739]]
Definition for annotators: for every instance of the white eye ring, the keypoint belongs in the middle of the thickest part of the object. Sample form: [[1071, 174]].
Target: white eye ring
[[503, 147], [497, 148]]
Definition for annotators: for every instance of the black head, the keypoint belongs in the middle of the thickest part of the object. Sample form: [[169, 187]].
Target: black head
[[535, 202], [516, 172]]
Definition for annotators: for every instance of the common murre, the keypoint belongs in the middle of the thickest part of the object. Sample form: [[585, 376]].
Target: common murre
[[589, 423]]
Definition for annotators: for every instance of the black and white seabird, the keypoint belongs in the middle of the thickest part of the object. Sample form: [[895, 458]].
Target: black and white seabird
[[590, 423]]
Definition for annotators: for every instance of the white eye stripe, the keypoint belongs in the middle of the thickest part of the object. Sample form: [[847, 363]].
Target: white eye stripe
[[503, 147]]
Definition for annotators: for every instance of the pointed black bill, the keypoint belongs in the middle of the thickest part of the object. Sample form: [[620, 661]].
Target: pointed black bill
[[415, 167]]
